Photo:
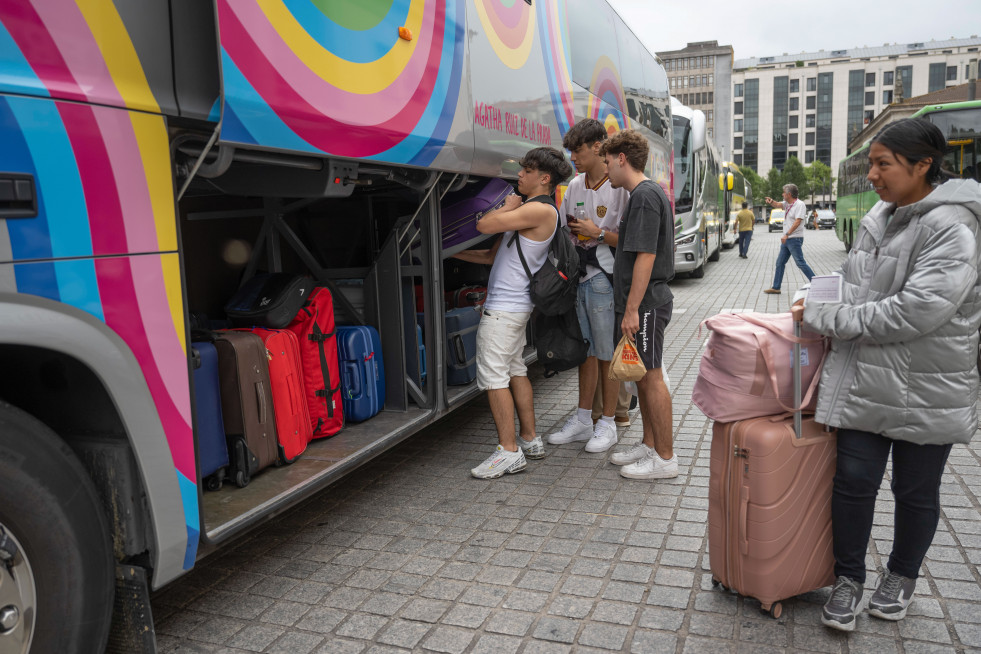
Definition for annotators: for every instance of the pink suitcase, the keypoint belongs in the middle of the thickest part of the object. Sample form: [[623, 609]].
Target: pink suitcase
[[770, 505]]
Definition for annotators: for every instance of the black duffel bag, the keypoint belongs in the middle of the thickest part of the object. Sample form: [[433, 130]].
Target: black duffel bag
[[559, 341], [269, 300]]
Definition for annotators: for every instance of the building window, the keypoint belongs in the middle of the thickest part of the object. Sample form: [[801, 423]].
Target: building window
[[751, 135], [937, 79], [951, 73], [905, 74], [738, 159], [887, 97], [793, 122], [794, 104], [708, 115], [809, 156], [737, 143], [737, 108], [869, 115], [737, 91], [793, 141], [869, 98], [809, 138], [811, 102], [711, 80], [887, 78], [869, 79], [711, 94], [811, 84], [737, 125], [795, 86], [856, 95], [809, 120], [780, 91]]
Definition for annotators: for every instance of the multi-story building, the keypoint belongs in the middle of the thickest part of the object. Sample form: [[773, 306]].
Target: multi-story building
[[810, 105], [699, 76]]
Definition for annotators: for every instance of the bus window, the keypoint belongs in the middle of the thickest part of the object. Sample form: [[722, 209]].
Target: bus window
[[587, 20]]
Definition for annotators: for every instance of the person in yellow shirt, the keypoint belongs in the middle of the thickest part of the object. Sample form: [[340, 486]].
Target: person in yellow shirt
[[745, 218]]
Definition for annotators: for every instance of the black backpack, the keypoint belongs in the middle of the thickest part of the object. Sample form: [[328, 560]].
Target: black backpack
[[559, 341], [555, 286]]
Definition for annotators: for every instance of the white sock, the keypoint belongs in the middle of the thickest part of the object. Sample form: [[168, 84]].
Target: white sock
[[608, 419], [585, 416]]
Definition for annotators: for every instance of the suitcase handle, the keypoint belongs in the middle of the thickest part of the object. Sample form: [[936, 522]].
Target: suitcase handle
[[260, 402], [743, 518]]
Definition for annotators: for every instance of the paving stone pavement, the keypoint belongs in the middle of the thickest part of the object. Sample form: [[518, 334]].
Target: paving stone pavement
[[410, 553]]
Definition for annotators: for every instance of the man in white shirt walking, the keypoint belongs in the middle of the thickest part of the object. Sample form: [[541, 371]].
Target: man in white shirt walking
[[793, 235]]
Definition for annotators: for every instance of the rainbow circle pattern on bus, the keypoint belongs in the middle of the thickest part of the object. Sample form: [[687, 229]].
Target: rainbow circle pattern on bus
[[510, 28], [606, 102], [321, 77], [554, 33]]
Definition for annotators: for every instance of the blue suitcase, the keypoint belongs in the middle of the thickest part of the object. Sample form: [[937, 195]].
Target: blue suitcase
[[212, 449], [362, 372], [421, 343], [461, 341]]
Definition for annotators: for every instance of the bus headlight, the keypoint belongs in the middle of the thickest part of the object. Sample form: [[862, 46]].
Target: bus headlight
[[687, 240]]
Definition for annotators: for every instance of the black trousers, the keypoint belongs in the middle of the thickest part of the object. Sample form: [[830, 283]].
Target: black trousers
[[916, 473]]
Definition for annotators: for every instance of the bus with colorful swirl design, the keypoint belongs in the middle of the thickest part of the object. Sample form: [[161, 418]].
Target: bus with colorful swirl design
[[155, 155]]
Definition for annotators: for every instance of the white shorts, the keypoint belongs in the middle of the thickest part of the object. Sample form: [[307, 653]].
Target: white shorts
[[500, 348]]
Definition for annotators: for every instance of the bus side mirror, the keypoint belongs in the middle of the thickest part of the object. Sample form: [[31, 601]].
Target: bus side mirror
[[729, 179]]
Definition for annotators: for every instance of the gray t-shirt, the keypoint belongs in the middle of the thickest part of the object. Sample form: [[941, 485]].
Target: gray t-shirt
[[646, 226]]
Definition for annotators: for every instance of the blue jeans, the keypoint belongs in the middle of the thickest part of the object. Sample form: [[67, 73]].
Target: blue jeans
[[594, 308], [916, 475], [744, 239], [791, 248]]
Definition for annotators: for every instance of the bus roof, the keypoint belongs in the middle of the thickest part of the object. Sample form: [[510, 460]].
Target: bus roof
[[948, 106]]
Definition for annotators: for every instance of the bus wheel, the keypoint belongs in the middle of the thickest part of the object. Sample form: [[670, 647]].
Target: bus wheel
[[699, 272], [56, 564], [718, 250], [848, 239]]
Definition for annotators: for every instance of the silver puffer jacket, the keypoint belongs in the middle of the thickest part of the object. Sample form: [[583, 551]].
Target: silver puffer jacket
[[904, 339]]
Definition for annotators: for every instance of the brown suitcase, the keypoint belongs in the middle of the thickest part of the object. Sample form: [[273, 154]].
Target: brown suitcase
[[246, 404], [770, 506]]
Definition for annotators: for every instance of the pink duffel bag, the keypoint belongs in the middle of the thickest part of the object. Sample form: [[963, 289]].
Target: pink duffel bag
[[745, 370]]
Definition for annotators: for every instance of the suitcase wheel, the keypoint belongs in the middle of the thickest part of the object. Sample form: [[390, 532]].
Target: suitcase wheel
[[213, 482], [241, 478], [775, 610]]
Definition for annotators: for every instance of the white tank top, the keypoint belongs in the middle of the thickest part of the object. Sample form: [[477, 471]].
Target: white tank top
[[508, 286]]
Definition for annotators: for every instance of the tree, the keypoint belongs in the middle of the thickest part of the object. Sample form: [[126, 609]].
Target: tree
[[821, 181], [774, 184], [756, 182], [794, 173]]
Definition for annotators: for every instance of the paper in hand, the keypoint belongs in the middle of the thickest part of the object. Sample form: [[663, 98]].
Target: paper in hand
[[825, 288]]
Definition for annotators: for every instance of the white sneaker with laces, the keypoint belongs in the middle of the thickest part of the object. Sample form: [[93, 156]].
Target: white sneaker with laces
[[604, 437], [572, 430], [634, 454], [533, 449], [651, 467], [500, 462]]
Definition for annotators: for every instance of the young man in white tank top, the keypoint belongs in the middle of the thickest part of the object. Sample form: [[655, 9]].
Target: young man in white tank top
[[501, 369]]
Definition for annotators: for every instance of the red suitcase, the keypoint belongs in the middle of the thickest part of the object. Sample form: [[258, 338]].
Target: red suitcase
[[770, 505], [468, 296], [317, 339], [293, 428]]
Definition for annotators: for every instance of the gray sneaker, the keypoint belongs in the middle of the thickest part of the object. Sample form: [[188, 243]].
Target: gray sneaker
[[892, 597], [843, 606], [633, 455], [500, 462], [533, 449]]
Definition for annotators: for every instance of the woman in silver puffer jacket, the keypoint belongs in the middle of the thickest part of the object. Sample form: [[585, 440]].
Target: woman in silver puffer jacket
[[902, 374]]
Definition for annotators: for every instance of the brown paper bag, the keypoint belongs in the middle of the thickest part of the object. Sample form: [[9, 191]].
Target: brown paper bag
[[626, 365]]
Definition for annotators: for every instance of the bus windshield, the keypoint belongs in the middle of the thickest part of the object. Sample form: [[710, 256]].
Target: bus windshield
[[962, 129], [682, 164]]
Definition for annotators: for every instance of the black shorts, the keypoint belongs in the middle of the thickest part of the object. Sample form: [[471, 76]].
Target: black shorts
[[650, 337]]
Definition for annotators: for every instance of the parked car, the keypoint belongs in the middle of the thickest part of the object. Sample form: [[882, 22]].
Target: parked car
[[826, 219], [776, 220], [811, 221]]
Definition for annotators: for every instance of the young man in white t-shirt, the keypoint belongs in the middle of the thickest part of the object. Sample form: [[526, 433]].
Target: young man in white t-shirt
[[793, 236], [603, 205], [501, 369]]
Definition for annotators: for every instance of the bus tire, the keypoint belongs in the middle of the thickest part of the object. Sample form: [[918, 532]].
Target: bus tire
[[718, 250], [59, 539], [699, 272], [848, 238]]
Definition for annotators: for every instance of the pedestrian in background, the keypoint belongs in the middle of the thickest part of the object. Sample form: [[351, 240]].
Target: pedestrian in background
[[745, 219], [792, 243], [902, 373]]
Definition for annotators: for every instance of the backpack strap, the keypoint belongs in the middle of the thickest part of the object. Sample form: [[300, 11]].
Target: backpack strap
[[544, 199]]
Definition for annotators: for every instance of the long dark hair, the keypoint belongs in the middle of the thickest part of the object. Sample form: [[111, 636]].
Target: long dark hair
[[916, 139]]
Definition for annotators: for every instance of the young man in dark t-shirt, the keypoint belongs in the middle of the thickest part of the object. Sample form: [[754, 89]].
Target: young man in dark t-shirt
[[642, 300]]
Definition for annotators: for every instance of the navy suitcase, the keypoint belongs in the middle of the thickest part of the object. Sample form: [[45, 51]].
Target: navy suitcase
[[421, 343], [362, 372], [461, 340], [212, 449]]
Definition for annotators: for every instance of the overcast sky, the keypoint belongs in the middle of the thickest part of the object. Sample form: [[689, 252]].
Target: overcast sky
[[760, 28]]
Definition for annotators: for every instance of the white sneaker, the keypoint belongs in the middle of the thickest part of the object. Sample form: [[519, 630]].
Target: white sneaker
[[634, 454], [572, 430], [604, 437], [500, 462], [533, 449], [651, 467]]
